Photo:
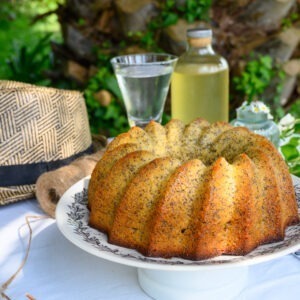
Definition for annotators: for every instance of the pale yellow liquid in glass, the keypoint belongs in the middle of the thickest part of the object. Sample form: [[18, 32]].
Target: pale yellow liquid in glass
[[200, 92]]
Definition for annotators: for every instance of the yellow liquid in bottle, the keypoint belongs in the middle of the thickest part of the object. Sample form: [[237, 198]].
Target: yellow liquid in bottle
[[200, 92]]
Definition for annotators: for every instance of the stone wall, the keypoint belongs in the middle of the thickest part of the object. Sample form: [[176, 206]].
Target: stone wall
[[240, 27]]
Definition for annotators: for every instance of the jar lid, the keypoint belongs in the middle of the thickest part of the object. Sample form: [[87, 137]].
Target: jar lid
[[200, 32]]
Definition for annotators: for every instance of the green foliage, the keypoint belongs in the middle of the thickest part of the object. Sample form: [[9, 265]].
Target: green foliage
[[27, 64], [196, 10], [110, 119], [190, 10], [148, 41], [295, 109], [257, 78], [30, 54], [291, 152], [290, 143], [288, 22], [170, 13], [253, 83], [20, 36]]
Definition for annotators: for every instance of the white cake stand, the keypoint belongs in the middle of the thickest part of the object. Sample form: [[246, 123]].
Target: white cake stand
[[173, 278], [201, 284]]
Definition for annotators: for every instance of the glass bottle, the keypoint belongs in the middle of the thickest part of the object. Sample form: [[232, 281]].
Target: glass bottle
[[200, 81], [255, 116]]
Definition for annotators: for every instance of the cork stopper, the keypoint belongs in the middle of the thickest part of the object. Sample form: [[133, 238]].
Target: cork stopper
[[199, 37]]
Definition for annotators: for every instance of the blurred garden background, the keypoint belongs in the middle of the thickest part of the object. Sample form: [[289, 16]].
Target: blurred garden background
[[68, 44]]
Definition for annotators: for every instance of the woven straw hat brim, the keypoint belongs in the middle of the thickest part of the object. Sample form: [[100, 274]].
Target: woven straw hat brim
[[41, 129]]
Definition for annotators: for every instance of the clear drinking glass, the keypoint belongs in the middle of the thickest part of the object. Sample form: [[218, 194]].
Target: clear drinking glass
[[144, 81]]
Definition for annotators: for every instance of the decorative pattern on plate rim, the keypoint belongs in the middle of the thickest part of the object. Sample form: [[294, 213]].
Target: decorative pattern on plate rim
[[78, 215]]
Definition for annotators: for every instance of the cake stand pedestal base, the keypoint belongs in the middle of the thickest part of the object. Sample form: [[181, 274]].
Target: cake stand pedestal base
[[207, 283]]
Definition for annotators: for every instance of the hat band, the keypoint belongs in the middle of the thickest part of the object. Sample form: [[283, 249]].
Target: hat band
[[15, 175]]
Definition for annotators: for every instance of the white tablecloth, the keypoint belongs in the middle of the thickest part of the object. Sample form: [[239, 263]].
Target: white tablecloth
[[56, 269]]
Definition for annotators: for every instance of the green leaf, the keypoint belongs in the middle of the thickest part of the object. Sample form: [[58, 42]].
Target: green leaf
[[295, 170], [4, 24], [266, 61], [170, 19], [41, 45], [99, 112], [111, 112], [297, 127], [169, 4], [190, 18], [295, 141], [113, 86], [289, 151]]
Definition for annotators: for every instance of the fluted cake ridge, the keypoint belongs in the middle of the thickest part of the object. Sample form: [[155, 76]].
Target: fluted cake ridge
[[193, 191]]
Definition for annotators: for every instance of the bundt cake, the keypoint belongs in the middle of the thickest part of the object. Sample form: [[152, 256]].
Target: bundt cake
[[194, 191]]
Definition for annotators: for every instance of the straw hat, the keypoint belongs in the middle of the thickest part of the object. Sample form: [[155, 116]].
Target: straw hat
[[41, 129]]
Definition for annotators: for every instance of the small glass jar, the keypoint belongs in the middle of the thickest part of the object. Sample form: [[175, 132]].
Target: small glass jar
[[258, 121]]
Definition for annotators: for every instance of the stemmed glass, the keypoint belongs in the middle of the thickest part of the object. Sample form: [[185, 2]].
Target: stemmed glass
[[144, 81]]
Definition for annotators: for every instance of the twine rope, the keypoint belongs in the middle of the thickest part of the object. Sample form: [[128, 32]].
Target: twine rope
[[4, 286]]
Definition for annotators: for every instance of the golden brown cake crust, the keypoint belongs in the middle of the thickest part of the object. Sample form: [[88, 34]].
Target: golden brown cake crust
[[133, 219], [194, 191]]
